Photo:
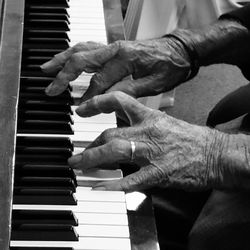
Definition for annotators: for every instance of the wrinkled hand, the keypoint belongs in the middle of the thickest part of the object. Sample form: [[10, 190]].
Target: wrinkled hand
[[169, 152], [156, 66]]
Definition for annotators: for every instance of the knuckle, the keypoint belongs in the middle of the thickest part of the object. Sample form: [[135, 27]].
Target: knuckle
[[97, 82], [119, 43], [98, 79], [75, 59], [107, 135], [78, 47], [95, 101], [117, 95], [57, 57]]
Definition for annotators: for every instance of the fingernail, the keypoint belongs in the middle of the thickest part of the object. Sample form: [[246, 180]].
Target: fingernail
[[48, 89], [99, 188], [75, 159], [80, 110], [52, 90], [45, 65]]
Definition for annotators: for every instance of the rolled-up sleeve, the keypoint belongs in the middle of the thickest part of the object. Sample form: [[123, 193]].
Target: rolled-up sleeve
[[241, 14]]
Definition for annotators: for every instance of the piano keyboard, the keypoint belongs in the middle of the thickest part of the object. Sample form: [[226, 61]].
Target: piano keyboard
[[50, 209]]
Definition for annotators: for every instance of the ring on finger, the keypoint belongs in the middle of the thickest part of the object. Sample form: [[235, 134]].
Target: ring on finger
[[132, 143]]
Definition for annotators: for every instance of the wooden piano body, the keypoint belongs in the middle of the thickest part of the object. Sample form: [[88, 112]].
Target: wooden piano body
[[142, 229]]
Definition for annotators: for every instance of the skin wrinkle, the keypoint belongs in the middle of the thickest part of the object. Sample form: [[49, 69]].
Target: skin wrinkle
[[139, 58], [170, 152], [235, 162]]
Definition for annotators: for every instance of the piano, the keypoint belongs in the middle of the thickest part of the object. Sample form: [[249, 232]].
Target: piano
[[44, 204]]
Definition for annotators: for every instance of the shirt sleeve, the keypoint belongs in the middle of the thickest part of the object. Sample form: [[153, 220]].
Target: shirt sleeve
[[243, 16]]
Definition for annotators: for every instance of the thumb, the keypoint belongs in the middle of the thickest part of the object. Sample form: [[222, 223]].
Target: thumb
[[147, 177], [124, 105]]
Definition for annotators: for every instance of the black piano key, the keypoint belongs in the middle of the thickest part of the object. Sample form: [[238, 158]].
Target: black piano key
[[34, 70], [37, 232], [37, 60], [44, 196], [52, 102], [63, 142], [44, 105], [43, 217], [41, 52], [45, 115], [42, 43], [45, 33], [46, 24], [48, 3], [41, 159], [44, 127], [41, 248], [45, 9], [45, 182], [39, 94], [22, 150], [44, 170], [44, 15], [35, 82]]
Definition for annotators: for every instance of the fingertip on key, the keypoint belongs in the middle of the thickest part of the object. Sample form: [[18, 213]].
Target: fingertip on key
[[80, 110], [75, 159], [53, 90], [46, 66], [99, 188]]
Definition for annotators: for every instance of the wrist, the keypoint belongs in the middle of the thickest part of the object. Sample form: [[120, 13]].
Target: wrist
[[190, 55], [228, 158]]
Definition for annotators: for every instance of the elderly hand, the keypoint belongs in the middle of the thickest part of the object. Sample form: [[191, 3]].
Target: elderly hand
[[169, 152], [156, 66]]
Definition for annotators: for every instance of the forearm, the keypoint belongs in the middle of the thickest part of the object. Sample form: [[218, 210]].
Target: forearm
[[228, 162]]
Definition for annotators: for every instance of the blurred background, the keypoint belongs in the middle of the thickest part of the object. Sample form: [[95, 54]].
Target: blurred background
[[193, 100]]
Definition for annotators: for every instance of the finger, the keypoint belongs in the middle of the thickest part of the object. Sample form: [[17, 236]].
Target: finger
[[77, 63], [112, 72], [122, 104], [117, 150], [127, 133], [58, 61], [146, 86], [145, 178]]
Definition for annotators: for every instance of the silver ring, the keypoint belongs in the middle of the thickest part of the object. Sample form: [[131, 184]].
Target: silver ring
[[132, 143]]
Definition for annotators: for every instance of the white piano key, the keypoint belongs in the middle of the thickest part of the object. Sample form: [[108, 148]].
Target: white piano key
[[86, 137], [84, 243], [78, 150], [88, 27], [102, 231], [90, 178], [98, 174], [102, 219], [85, 20], [91, 195], [81, 126], [81, 207], [100, 118]]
